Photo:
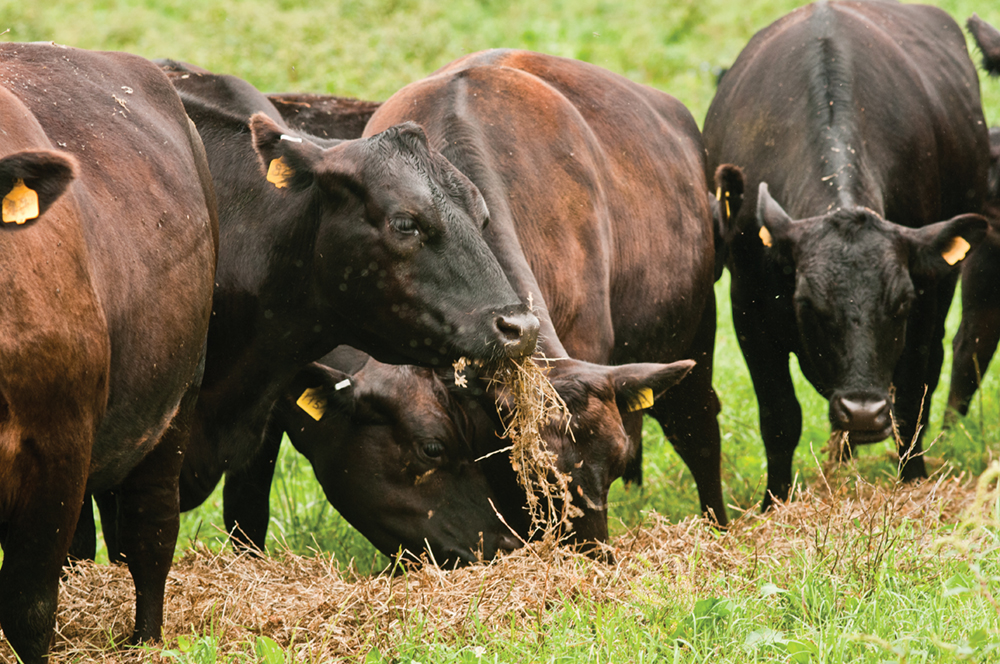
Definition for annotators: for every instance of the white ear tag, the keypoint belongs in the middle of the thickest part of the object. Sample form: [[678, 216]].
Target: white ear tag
[[342, 384]]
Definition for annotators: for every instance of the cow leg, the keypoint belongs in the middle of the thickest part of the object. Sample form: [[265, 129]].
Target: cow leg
[[84, 546], [979, 332], [779, 410], [977, 336], [917, 374], [149, 519], [38, 537], [247, 492], [689, 413], [974, 345], [200, 473]]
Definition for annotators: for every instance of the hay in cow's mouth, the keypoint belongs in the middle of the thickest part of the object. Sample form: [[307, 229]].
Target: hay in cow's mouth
[[535, 404]]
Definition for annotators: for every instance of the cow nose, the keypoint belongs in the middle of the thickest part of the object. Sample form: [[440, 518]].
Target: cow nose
[[860, 414], [518, 332]]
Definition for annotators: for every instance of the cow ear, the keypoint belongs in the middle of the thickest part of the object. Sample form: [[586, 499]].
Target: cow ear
[[938, 248], [726, 206], [322, 393], [288, 160], [638, 386], [988, 40], [30, 182]]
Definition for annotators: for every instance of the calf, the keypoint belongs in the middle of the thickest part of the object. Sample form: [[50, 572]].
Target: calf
[[864, 120], [110, 241], [979, 332]]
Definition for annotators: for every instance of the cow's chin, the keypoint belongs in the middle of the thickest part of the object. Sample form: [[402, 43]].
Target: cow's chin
[[869, 436]]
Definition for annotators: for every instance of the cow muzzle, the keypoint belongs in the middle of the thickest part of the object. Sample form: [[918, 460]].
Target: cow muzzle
[[866, 419], [517, 332]]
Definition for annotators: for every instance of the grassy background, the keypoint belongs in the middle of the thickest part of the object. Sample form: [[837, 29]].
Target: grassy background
[[369, 49]]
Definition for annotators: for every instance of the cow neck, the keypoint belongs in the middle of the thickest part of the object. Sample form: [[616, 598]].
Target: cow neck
[[264, 325]]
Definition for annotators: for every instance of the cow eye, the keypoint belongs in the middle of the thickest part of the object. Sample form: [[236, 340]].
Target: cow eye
[[903, 310], [433, 449], [404, 225]]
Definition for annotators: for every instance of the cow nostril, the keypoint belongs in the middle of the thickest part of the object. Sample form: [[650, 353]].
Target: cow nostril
[[862, 414], [518, 332]]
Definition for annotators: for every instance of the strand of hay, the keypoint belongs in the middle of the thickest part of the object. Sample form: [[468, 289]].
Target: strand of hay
[[536, 404]]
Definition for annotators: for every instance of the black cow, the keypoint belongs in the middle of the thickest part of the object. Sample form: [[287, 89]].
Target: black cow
[[851, 115], [977, 336], [393, 451], [109, 247], [374, 242]]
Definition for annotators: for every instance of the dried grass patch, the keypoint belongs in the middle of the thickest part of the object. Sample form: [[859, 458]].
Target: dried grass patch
[[309, 605]]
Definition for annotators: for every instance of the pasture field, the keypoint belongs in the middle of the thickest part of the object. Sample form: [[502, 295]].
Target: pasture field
[[856, 570]]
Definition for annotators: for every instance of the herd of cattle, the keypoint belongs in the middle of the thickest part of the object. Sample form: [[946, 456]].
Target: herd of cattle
[[194, 269]]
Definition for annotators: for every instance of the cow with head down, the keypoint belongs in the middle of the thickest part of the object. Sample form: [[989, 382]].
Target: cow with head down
[[859, 128], [375, 242], [393, 447], [979, 332], [109, 240]]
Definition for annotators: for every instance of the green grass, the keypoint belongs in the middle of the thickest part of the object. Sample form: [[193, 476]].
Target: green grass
[[369, 49]]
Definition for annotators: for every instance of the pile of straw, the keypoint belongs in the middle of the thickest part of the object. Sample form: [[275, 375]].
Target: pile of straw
[[308, 605]]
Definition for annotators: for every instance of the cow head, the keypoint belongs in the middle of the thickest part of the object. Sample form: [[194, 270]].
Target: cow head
[[399, 260], [392, 452], [856, 278], [595, 449]]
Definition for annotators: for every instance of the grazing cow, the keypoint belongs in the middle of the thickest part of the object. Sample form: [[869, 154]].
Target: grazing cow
[[977, 336], [109, 247], [864, 121], [374, 242], [393, 452], [600, 218]]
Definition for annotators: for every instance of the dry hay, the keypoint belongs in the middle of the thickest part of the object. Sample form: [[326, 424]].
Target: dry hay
[[535, 405], [531, 402], [307, 604]]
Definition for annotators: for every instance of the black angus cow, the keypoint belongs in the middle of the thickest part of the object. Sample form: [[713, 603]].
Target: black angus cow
[[374, 242], [394, 453], [864, 121], [600, 217], [979, 332], [109, 240]]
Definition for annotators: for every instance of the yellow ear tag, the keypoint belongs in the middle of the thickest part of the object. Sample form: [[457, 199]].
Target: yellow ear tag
[[955, 252], [21, 204], [312, 403], [765, 236], [279, 173], [643, 400]]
